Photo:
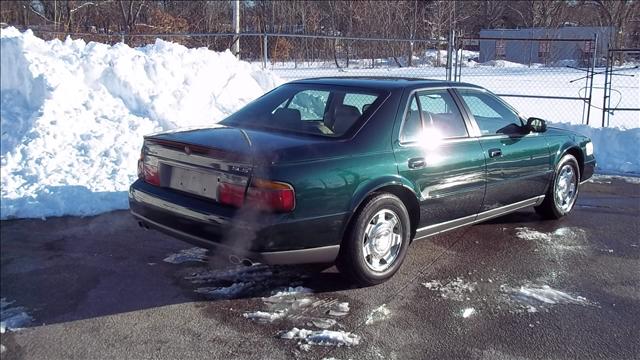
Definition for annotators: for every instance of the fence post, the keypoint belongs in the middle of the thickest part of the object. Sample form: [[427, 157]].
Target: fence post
[[593, 73], [450, 53], [606, 81], [265, 43], [455, 61]]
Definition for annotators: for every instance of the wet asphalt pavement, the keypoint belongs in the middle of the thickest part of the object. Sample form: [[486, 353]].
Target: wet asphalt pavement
[[98, 288]]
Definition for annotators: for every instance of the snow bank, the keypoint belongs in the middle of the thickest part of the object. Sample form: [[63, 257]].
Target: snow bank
[[73, 114], [616, 149]]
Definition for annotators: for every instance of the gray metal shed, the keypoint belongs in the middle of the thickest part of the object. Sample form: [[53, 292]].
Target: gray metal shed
[[544, 45]]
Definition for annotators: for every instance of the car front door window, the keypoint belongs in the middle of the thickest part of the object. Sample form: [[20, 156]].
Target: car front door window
[[491, 115]]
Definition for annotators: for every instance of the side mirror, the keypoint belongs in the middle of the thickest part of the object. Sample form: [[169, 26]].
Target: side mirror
[[535, 125]]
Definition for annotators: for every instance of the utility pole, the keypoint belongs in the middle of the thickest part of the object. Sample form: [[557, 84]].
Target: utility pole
[[236, 28]]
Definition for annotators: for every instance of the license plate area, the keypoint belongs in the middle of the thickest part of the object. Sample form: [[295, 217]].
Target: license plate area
[[195, 182]]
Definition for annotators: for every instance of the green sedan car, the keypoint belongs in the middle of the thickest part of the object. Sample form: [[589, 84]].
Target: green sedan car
[[352, 170]]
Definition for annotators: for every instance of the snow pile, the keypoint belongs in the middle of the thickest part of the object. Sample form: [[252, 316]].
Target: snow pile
[[466, 57], [616, 149], [73, 114], [322, 337], [506, 64]]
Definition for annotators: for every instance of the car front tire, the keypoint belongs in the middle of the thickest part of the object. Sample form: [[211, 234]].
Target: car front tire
[[563, 190], [376, 242]]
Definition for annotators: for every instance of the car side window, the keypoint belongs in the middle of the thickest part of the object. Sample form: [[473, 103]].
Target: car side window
[[441, 114], [360, 101], [491, 115], [412, 125]]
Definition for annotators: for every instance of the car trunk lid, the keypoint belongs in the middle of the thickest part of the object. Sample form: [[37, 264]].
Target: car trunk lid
[[197, 161]]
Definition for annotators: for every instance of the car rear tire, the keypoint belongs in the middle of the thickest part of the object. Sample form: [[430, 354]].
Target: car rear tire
[[563, 190], [376, 241]]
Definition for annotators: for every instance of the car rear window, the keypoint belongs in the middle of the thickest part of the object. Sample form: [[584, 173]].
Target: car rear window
[[309, 108]]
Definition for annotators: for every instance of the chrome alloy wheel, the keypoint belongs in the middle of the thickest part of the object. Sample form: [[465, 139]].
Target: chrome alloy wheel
[[566, 188], [382, 240]]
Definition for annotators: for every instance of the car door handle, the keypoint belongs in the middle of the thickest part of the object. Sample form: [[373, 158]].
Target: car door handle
[[417, 163], [495, 153]]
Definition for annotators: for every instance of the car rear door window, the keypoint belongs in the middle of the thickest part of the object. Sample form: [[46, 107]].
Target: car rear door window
[[491, 114], [440, 113], [412, 126]]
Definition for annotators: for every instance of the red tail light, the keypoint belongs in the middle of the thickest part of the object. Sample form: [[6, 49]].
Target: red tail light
[[231, 194], [263, 195], [148, 169]]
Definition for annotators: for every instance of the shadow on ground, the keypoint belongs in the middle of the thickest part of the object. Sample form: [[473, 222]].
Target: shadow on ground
[[68, 269]]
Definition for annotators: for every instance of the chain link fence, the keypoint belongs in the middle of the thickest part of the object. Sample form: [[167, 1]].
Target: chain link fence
[[621, 89], [296, 56], [547, 78], [558, 79]]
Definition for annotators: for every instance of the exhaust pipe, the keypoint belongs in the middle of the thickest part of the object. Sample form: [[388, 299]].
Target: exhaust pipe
[[234, 260], [143, 225], [247, 262]]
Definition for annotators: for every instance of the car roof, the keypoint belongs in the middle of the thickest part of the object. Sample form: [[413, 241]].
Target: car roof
[[381, 82]]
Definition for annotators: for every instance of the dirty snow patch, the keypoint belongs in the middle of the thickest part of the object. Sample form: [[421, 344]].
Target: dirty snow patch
[[340, 309], [225, 292], [607, 179], [292, 291], [236, 273], [321, 337], [263, 316], [526, 233], [533, 296], [380, 313], [457, 289], [195, 254], [322, 323], [555, 244], [12, 318]]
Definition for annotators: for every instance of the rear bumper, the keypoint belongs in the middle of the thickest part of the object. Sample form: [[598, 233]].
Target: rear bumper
[[260, 237]]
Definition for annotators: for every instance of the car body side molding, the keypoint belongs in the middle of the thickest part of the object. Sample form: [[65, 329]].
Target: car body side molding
[[476, 218]]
